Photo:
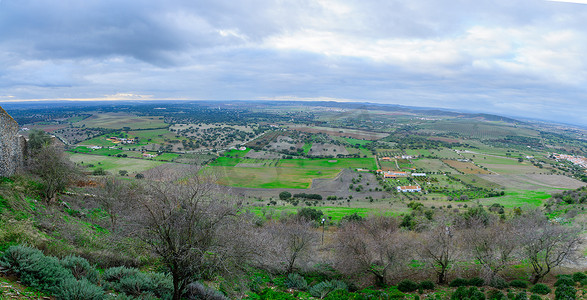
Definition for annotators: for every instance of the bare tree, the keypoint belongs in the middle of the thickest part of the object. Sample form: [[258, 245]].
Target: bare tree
[[439, 248], [546, 244], [54, 169], [373, 247], [492, 245], [289, 242], [116, 197], [185, 220]]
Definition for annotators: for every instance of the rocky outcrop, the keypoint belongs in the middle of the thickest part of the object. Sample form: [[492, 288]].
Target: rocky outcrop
[[12, 145]]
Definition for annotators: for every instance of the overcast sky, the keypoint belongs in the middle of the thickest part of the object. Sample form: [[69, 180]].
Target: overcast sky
[[512, 57]]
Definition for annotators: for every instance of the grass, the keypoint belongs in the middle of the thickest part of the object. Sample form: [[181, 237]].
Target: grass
[[431, 165], [307, 147], [329, 163], [98, 141], [519, 198], [237, 153], [361, 143], [337, 213], [157, 136], [120, 120], [114, 164], [167, 156], [225, 162], [269, 178]]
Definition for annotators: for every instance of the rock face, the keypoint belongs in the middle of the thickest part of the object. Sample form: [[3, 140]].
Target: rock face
[[12, 145]]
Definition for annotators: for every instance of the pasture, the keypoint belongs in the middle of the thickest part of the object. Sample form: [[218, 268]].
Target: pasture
[[114, 164], [465, 167], [329, 163], [269, 178], [121, 120]]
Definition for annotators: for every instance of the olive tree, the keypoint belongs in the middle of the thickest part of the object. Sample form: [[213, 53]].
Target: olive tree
[[373, 247], [546, 245], [439, 248], [185, 220], [53, 168]]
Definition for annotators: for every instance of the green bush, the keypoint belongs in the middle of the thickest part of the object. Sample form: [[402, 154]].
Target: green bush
[[407, 286], [117, 273], [498, 283], [35, 269], [47, 274], [540, 288], [579, 276], [341, 295], [296, 281], [565, 292], [136, 283], [521, 296], [535, 297], [496, 295], [460, 293], [471, 293], [324, 288], [72, 289], [476, 294], [476, 281], [522, 284], [427, 285], [80, 268], [458, 282], [565, 280]]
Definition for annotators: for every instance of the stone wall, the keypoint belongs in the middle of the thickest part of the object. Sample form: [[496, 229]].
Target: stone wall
[[12, 145]]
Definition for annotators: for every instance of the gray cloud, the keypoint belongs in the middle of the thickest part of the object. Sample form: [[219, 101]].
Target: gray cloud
[[518, 57]]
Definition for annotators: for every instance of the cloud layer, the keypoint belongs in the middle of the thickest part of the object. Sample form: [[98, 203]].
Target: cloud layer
[[514, 57]]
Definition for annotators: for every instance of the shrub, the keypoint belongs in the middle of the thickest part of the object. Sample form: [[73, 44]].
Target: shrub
[[459, 282], [117, 273], [535, 297], [47, 274], [564, 280], [324, 288], [476, 294], [565, 292], [73, 289], [427, 285], [496, 295], [135, 283], [521, 296], [340, 295], [540, 288], [80, 268], [498, 283], [296, 281], [476, 281], [35, 269], [460, 293], [522, 284], [579, 276], [196, 290], [407, 286], [472, 293]]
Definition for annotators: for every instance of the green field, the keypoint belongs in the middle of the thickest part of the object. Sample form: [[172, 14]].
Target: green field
[[114, 164], [237, 153], [269, 177], [307, 147], [329, 163], [336, 213], [361, 143], [432, 165], [120, 120], [519, 198]]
